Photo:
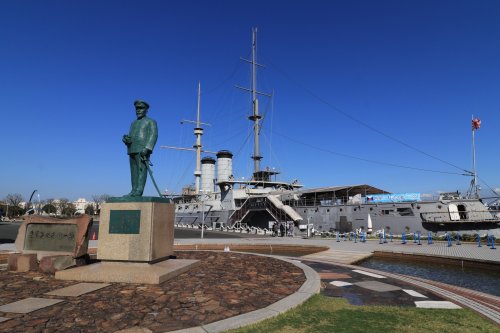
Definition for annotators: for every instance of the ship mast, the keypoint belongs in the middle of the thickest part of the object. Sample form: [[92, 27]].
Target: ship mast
[[198, 132], [255, 117]]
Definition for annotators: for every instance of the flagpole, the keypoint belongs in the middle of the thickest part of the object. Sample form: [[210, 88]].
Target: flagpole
[[474, 185], [473, 190]]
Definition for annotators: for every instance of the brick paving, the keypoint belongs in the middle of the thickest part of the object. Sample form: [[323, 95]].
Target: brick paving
[[226, 284]]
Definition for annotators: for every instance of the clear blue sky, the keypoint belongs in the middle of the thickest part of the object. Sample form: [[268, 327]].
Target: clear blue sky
[[412, 70]]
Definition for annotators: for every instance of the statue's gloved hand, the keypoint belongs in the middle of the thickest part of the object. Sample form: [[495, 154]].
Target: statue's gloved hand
[[146, 152], [127, 139]]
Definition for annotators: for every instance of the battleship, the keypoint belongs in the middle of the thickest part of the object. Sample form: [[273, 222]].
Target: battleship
[[221, 201]]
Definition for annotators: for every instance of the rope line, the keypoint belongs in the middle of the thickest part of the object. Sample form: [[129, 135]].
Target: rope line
[[345, 114], [365, 159]]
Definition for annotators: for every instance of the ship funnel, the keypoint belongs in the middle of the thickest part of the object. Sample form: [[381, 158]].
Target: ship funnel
[[207, 174], [224, 165]]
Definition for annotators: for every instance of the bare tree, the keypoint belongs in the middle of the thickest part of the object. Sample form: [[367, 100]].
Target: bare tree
[[61, 205], [98, 200], [14, 200]]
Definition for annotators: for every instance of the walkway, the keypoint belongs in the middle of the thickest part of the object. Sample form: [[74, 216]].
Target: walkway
[[350, 252]]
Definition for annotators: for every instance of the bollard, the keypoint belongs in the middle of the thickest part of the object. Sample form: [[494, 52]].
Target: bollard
[[390, 235], [355, 237], [403, 237], [429, 237], [380, 238], [414, 237], [338, 237], [458, 239], [345, 237], [385, 238], [487, 240], [419, 238], [448, 237], [493, 243], [350, 236], [478, 240]]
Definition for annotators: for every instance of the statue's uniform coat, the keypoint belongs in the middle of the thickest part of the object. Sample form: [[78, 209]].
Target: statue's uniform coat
[[143, 134]]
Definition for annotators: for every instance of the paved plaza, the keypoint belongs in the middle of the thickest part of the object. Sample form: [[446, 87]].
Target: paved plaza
[[37, 301]]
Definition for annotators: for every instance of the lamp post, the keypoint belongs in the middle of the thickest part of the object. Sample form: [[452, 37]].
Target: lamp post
[[202, 212]]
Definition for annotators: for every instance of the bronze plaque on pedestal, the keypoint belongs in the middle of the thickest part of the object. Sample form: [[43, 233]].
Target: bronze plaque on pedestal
[[124, 222]]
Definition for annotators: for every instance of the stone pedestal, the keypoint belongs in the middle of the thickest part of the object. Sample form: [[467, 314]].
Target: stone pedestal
[[136, 229], [136, 239]]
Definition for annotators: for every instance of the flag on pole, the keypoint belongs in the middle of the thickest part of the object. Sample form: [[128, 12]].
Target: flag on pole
[[476, 124]]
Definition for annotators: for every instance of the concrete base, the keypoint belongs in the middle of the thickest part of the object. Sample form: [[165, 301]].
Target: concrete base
[[136, 229], [128, 272]]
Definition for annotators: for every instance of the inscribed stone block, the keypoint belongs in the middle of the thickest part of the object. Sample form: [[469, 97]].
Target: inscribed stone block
[[50, 236]]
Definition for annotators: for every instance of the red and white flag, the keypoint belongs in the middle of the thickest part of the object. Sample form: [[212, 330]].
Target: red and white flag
[[476, 124]]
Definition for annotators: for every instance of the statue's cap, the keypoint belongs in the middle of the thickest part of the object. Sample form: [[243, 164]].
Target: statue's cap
[[141, 103]]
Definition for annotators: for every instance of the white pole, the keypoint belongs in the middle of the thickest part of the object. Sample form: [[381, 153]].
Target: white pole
[[202, 215], [308, 230], [198, 131], [474, 161]]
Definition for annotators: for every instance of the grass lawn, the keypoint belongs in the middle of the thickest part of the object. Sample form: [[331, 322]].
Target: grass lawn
[[331, 315]]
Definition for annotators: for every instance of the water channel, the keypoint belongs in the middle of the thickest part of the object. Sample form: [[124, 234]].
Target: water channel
[[487, 281]]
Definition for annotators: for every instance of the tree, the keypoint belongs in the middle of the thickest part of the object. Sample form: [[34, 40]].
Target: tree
[[69, 209], [99, 199], [14, 200], [61, 205], [49, 208], [89, 209]]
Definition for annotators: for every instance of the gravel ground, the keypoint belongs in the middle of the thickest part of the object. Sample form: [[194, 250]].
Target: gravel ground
[[225, 284]]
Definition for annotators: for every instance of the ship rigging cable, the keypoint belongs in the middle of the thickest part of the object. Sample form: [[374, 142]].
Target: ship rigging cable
[[367, 160], [345, 114]]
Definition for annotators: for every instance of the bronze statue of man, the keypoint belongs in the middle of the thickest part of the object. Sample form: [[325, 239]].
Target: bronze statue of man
[[140, 142]]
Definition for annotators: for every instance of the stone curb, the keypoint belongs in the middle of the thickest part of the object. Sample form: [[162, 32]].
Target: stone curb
[[310, 287]]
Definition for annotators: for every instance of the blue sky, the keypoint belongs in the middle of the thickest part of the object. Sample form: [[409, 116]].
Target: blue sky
[[347, 76]]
